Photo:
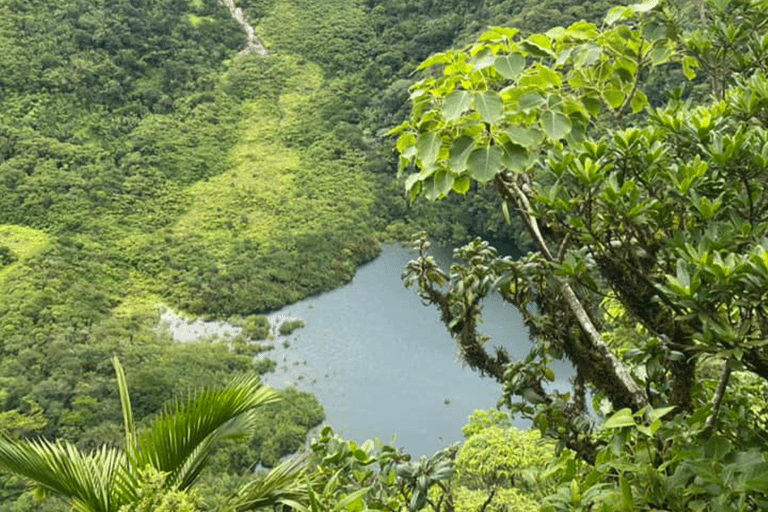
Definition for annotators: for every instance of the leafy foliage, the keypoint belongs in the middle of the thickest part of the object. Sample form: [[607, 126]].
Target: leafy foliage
[[500, 466], [166, 455], [119, 122], [377, 476], [153, 497], [647, 270], [288, 326]]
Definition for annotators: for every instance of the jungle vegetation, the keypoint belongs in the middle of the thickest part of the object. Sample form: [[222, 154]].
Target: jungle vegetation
[[650, 257], [144, 162]]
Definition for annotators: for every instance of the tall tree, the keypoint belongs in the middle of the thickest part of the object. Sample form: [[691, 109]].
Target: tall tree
[[649, 223]]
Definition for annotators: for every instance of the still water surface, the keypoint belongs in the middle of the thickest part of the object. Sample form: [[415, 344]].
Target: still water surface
[[383, 364]]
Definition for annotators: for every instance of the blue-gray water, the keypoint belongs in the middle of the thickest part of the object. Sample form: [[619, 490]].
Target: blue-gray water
[[381, 363]]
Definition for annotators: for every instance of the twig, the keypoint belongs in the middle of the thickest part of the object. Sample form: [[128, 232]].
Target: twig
[[488, 501], [717, 400]]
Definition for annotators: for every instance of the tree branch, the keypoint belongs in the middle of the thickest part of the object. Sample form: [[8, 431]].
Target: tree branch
[[488, 501], [717, 400], [629, 391]]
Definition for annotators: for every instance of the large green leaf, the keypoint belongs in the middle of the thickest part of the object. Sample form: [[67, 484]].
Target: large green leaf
[[484, 163], [524, 136], [490, 106], [617, 13], [639, 101], [427, 148], [645, 6], [514, 157], [460, 151], [406, 145], [443, 182], [95, 482], [586, 54], [510, 66], [285, 484], [622, 418], [531, 100], [483, 59], [438, 58], [428, 188], [412, 179], [554, 124], [546, 76], [455, 104], [615, 97], [538, 45], [179, 441], [461, 185]]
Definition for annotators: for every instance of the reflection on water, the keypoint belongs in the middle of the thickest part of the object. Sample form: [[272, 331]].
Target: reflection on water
[[382, 364]]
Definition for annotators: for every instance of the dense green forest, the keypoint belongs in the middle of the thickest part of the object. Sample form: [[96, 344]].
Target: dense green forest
[[146, 161], [143, 161]]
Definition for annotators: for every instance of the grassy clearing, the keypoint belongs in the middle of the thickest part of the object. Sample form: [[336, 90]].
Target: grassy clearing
[[251, 196], [140, 307], [272, 185], [23, 242]]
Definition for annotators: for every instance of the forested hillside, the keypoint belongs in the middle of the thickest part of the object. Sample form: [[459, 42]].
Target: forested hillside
[[146, 160], [143, 161]]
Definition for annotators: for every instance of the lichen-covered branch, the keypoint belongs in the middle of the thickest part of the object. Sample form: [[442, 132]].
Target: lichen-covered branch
[[624, 391]]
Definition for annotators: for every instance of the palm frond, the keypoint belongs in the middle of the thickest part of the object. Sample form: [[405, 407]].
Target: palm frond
[[285, 484], [125, 403], [94, 482], [180, 439]]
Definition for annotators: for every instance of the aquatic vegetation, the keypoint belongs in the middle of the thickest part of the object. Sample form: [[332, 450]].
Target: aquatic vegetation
[[287, 327]]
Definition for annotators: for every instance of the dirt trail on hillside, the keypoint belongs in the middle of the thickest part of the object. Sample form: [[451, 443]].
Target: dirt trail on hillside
[[253, 43]]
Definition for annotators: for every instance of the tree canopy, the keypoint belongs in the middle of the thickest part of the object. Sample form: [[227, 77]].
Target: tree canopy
[[648, 221]]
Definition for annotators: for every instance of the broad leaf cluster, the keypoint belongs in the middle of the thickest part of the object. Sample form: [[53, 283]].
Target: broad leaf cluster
[[649, 225]]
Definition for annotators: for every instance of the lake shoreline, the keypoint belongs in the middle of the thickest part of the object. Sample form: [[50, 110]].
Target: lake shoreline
[[381, 363]]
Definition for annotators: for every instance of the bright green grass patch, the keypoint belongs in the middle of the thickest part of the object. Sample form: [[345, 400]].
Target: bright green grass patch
[[140, 307], [290, 216], [23, 243], [253, 195], [196, 21], [271, 187]]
